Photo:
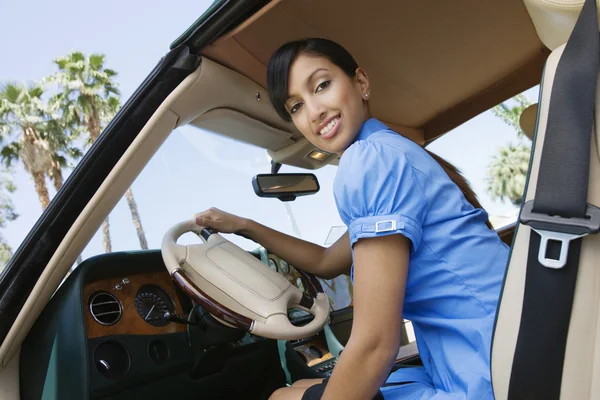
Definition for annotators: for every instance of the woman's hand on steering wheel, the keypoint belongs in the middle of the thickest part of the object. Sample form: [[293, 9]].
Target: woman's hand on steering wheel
[[220, 221]]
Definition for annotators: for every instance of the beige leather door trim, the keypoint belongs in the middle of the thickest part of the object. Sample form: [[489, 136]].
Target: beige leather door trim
[[9, 380]]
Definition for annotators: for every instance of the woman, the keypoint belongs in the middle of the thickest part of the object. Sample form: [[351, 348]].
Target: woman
[[418, 244]]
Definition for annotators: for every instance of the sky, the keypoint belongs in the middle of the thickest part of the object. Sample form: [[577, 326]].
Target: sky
[[194, 169]]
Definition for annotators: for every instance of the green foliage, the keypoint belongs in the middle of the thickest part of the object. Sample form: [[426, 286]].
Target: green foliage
[[23, 111], [10, 153], [49, 136], [21, 107], [88, 95], [511, 115], [89, 99], [7, 210], [5, 253], [46, 136], [507, 171]]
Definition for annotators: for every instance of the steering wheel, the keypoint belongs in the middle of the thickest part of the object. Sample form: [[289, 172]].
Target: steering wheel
[[238, 289]]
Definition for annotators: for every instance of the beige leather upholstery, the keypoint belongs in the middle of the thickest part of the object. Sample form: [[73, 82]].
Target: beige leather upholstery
[[226, 102], [221, 88], [433, 64], [297, 155], [9, 380], [582, 358], [554, 19], [242, 283]]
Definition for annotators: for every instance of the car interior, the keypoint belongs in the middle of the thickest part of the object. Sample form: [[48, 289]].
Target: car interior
[[159, 323]]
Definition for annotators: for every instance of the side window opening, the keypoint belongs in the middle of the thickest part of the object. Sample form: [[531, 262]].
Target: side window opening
[[492, 152]]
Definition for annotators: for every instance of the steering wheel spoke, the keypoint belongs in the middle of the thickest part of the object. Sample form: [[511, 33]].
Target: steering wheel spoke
[[213, 307], [278, 326]]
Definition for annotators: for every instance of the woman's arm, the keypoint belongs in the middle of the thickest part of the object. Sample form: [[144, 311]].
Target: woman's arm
[[380, 273], [324, 262]]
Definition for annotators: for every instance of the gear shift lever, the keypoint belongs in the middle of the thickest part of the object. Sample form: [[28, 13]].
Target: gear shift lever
[[172, 317]]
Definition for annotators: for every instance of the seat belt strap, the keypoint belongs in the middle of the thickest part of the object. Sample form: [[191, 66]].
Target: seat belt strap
[[559, 217]]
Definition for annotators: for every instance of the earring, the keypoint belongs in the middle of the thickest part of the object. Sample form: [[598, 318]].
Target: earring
[[367, 94]]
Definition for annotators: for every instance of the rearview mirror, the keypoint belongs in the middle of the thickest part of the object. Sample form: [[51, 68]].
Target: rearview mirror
[[286, 187]]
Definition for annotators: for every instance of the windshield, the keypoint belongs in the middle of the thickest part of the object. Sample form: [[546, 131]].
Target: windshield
[[195, 170]]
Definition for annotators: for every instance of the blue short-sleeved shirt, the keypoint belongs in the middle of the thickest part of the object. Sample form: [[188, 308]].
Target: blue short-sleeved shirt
[[387, 184]]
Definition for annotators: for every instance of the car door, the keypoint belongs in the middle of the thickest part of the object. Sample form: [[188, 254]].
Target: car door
[[37, 267]]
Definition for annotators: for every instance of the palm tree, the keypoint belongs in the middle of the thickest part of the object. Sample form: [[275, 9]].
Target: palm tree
[[136, 219], [511, 115], [34, 134], [90, 98], [507, 171], [22, 124], [61, 135]]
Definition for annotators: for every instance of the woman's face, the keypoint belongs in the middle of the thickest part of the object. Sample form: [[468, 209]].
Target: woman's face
[[327, 106]]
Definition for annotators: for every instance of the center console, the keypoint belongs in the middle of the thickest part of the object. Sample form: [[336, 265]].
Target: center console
[[309, 358], [315, 357], [326, 367]]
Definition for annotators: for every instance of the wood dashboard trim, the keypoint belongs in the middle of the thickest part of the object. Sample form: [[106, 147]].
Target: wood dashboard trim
[[130, 323], [309, 351]]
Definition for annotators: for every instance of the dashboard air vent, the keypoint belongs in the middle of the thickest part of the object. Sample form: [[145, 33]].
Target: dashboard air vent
[[105, 308]]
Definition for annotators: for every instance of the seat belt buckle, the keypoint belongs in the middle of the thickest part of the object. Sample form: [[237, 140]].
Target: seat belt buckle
[[559, 229], [563, 238]]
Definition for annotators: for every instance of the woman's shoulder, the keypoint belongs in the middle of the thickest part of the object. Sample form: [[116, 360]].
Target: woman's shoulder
[[384, 148], [377, 160]]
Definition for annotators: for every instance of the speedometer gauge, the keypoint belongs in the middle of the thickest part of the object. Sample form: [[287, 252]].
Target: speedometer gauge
[[151, 303]]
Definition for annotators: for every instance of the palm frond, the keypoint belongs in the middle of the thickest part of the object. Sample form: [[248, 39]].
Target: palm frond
[[510, 115], [11, 92], [36, 91], [10, 153], [76, 56], [88, 94], [96, 61]]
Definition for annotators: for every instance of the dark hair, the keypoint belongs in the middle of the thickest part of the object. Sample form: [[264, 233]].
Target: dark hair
[[278, 72], [460, 181]]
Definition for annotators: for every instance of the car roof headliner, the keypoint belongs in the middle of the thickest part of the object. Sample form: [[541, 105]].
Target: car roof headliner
[[433, 65]]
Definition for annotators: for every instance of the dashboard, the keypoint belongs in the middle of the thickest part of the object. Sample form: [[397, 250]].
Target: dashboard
[[104, 335], [136, 303], [131, 305], [118, 328]]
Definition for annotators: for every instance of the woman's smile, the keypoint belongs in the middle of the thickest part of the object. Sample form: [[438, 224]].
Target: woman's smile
[[329, 128]]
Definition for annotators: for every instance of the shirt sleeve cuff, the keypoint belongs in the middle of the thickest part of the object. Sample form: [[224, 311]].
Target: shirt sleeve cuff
[[383, 225]]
